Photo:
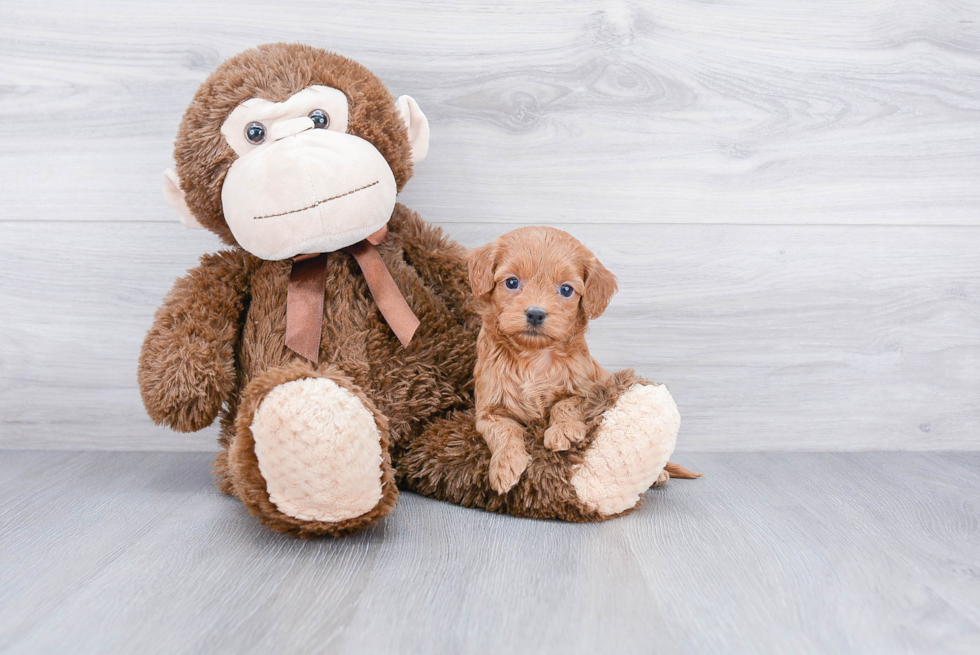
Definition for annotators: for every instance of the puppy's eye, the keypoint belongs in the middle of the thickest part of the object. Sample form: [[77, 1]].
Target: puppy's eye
[[255, 133], [321, 119], [566, 291], [512, 283]]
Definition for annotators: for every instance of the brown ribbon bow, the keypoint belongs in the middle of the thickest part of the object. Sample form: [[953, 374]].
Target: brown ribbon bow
[[308, 283]]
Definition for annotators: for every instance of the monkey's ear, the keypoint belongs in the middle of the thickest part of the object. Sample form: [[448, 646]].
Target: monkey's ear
[[175, 198], [483, 263], [418, 127], [600, 285]]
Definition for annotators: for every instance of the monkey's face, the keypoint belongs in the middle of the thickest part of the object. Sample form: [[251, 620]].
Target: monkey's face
[[289, 150], [301, 184]]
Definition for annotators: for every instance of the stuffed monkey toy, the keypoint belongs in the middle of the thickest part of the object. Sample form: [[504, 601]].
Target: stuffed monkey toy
[[336, 336]]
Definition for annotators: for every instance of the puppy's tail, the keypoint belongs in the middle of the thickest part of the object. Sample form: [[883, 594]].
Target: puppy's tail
[[672, 470], [678, 471]]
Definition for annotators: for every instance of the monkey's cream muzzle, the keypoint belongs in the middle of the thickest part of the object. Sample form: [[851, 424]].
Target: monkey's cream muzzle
[[307, 191]]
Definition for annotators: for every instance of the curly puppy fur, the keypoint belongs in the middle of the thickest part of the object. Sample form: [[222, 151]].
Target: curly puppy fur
[[539, 287]]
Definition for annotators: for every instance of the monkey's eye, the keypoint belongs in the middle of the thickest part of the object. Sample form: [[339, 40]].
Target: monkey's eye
[[512, 283], [255, 133], [321, 119], [566, 291]]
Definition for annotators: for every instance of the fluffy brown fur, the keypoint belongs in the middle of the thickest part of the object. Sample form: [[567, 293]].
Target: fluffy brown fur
[[451, 462], [527, 371]]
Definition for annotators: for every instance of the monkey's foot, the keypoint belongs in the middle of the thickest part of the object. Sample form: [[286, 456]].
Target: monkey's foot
[[313, 458], [319, 451], [630, 449]]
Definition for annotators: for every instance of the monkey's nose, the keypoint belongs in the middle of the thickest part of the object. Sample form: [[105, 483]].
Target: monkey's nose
[[535, 316]]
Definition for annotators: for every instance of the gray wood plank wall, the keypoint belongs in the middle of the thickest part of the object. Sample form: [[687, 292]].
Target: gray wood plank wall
[[789, 193]]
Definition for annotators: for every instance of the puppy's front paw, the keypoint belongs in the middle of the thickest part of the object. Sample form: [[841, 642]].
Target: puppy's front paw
[[561, 436], [661, 480], [506, 467]]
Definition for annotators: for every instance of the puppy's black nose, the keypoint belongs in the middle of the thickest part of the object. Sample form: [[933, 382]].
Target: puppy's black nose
[[535, 316]]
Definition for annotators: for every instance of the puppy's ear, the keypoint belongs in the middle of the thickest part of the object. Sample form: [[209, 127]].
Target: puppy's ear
[[600, 285], [483, 263]]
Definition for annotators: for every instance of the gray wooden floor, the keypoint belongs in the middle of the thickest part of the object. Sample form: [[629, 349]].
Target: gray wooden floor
[[769, 553]]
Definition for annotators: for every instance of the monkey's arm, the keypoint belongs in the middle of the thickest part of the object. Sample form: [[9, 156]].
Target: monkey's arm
[[440, 262], [187, 364]]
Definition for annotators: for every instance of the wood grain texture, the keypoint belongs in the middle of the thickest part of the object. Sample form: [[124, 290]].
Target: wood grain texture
[[788, 192], [560, 110], [768, 553], [770, 337]]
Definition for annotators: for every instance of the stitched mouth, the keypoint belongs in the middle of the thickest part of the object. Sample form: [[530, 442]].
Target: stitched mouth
[[318, 202]]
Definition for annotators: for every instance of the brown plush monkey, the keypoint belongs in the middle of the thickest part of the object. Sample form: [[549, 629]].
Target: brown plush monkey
[[336, 337]]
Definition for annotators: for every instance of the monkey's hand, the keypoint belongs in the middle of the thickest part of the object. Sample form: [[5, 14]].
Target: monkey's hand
[[508, 459], [565, 424], [187, 363]]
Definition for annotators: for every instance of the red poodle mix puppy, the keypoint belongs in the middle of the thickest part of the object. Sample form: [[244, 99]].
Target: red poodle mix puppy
[[540, 287]]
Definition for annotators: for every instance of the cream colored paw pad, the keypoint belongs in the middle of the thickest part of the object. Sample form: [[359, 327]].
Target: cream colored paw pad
[[319, 451], [631, 447]]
